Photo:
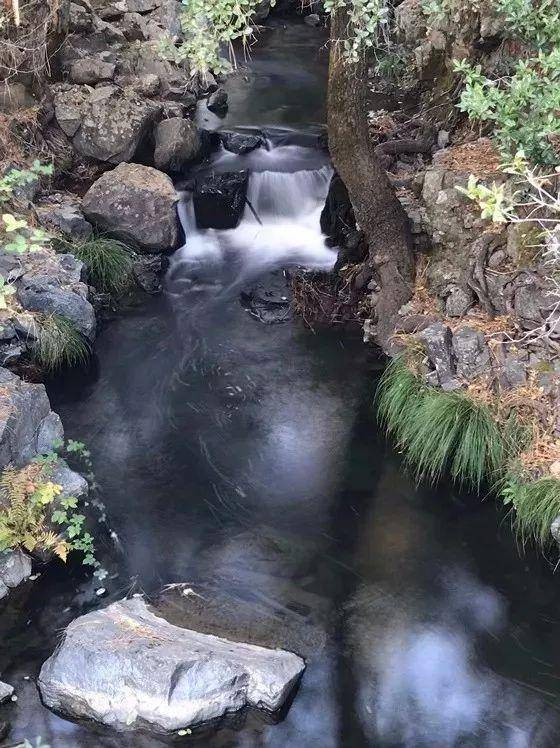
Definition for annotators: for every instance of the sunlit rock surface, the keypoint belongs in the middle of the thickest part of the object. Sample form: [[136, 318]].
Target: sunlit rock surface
[[127, 668]]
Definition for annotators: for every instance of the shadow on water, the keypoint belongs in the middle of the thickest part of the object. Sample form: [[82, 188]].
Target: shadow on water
[[244, 460]]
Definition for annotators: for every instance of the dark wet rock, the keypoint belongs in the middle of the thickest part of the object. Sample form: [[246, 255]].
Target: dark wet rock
[[269, 298], [147, 271], [127, 668], [27, 424], [218, 101], [135, 202], [337, 215], [219, 200], [313, 19], [91, 70], [240, 144], [63, 213], [42, 293], [15, 568], [177, 143], [471, 353], [437, 340]]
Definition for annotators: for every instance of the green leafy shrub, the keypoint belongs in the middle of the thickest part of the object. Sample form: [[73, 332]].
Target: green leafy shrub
[[109, 262], [59, 344], [439, 431], [209, 25], [523, 108]]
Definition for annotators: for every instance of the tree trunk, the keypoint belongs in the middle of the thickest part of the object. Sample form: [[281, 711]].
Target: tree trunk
[[378, 212]]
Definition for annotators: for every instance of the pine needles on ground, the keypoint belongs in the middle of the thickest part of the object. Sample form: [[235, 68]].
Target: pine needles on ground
[[60, 343], [108, 261]]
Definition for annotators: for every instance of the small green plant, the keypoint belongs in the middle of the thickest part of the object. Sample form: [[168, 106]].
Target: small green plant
[[522, 108], [367, 29], [59, 343], [439, 431], [25, 496], [209, 25], [108, 261], [16, 234], [16, 178]]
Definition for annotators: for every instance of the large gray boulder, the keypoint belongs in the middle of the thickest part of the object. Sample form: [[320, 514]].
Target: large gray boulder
[[177, 143], [27, 425], [127, 668], [105, 123], [135, 202]]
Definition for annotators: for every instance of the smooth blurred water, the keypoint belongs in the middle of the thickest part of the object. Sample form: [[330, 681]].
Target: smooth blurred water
[[245, 459]]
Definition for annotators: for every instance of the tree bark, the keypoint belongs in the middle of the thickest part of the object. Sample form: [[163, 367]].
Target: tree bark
[[378, 212]]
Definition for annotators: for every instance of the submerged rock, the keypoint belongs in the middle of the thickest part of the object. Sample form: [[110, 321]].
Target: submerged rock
[[128, 668], [269, 298], [219, 200], [240, 144], [135, 202]]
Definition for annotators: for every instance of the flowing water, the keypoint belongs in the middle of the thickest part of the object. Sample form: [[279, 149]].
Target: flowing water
[[244, 459]]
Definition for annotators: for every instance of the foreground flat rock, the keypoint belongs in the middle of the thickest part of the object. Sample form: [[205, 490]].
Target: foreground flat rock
[[127, 668]]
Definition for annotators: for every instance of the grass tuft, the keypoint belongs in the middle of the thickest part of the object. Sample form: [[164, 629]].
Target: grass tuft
[[60, 344], [439, 431], [536, 505], [108, 261]]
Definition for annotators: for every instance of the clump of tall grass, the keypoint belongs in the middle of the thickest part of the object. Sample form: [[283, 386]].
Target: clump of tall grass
[[108, 262], [439, 431], [59, 344], [535, 503]]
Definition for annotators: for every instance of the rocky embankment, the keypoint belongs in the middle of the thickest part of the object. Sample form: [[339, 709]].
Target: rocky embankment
[[482, 317]]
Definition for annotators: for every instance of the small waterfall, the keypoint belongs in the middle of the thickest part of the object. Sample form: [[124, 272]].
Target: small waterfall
[[285, 232], [277, 196]]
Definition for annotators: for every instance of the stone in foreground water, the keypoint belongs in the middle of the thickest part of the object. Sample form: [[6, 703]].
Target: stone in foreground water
[[127, 668]]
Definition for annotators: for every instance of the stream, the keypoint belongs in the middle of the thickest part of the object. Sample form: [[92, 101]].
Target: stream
[[244, 459]]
